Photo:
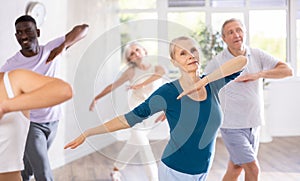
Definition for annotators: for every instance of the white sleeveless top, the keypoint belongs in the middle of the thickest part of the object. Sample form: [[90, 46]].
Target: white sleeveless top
[[14, 127], [139, 95]]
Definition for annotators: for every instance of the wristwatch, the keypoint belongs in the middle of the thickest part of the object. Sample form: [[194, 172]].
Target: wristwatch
[[37, 10]]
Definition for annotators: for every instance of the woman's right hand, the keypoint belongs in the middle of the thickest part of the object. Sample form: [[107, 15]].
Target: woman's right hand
[[76, 142], [197, 86]]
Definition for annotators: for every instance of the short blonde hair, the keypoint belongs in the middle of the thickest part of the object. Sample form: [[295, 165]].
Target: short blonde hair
[[174, 42]]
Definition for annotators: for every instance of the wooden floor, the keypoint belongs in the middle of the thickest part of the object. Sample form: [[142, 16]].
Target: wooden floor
[[279, 161]]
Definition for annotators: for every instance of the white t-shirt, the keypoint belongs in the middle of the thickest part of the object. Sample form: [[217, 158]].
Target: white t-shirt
[[242, 101], [38, 64]]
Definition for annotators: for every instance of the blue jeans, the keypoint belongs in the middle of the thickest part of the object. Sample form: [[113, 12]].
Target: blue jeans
[[36, 161]]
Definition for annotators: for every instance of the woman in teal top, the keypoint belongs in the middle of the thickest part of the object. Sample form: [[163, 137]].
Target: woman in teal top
[[193, 124], [193, 119]]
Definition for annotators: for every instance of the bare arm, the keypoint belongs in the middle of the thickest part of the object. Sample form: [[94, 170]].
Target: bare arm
[[115, 124], [281, 70], [159, 72], [124, 77], [76, 34], [229, 67], [33, 91]]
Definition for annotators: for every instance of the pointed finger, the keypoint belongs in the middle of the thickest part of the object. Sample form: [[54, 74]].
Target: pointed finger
[[68, 145], [182, 94]]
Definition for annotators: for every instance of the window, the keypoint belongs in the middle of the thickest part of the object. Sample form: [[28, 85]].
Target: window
[[137, 4], [227, 3], [196, 20], [270, 37], [267, 3], [186, 3], [258, 16], [140, 22]]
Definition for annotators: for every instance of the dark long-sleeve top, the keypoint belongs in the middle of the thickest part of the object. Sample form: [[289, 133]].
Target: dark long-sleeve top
[[193, 124]]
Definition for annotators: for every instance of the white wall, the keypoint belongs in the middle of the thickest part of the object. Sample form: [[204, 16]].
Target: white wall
[[84, 61], [282, 107]]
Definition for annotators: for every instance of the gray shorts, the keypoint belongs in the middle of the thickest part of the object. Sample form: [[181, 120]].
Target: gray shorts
[[242, 144]]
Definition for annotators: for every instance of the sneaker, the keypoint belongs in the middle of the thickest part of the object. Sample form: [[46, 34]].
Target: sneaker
[[115, 175]]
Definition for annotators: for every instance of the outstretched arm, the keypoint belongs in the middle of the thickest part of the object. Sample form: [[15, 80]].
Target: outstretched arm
[[159, 72], [124, 77], [115, 124], [76, 34], [34, 91], [281, 70], [229, 67]]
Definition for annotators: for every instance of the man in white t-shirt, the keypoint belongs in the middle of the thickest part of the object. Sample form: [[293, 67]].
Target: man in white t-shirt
[[42, 59], [240, 100]]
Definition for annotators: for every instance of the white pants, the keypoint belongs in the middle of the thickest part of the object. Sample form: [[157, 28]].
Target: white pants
[[138, 143]]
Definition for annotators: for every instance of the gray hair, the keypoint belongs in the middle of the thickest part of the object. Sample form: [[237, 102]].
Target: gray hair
[[127, 48], [229, 21]]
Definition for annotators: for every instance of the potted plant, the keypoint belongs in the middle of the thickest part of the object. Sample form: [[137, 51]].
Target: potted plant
[[210, 43]]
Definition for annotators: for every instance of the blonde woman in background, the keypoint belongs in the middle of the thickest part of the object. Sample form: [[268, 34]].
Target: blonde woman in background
[[141, 75]]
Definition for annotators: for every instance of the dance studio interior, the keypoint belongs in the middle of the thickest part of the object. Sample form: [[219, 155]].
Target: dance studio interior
[[96, 61]]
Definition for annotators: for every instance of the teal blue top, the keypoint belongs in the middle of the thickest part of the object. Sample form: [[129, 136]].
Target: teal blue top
[[193, 124]]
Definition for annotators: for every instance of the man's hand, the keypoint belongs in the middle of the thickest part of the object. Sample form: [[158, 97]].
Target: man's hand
[[247, 78]]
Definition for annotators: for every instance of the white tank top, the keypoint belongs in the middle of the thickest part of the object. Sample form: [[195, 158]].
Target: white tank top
[[14, 127], [139, 95]]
